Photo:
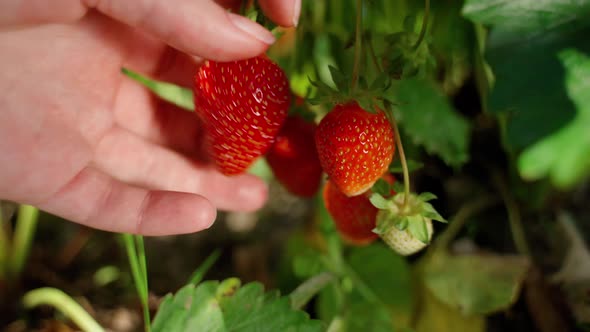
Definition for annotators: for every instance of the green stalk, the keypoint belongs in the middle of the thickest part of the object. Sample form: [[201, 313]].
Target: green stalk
[[374, 59], [336, 325], [137, 261], [514, 217], [362, 287], [145, 292], [357, 44], [402, 158], [64, 303], [200, 272], [307, 290], [183, 96], [466, 212], [424, 24], [26, 224], [4, 247]]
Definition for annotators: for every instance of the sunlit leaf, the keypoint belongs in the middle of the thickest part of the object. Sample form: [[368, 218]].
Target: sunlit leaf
[[387, 276], [417, 227], [379, 201], [476, 284], [527, 15], [434, 315], [565, 155], [171, 93], [207, 307], [430, 120]]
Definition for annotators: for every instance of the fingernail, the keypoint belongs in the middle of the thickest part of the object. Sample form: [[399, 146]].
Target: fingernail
[[296, 12], [252, 28]]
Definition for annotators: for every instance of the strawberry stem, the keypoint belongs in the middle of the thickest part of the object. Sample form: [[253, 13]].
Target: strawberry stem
[[357, 44], [466, 212], [424, 24], [369, 42], [402, 157], [514, 217]]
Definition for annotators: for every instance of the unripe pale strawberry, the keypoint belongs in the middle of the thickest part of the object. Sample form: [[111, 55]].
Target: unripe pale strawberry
[[405, 225], [403, 242]]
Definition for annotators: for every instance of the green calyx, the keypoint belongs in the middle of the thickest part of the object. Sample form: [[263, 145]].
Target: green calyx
[[412, 216], [371, 97], [402, 59]]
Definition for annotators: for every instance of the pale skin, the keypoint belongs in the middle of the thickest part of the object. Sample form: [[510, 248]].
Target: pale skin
[[80, 140]]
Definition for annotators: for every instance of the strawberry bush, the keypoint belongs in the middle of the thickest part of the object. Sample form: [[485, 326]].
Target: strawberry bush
[[428, 165]]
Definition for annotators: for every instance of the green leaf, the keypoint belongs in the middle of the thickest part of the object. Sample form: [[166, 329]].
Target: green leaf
[[308, 264], [386, 220], [425, 197], [410, 23], [413, 165], [382, 82], [529, 92], [398, 187], [261, 169], [428, 118], [388, 276], [200, 272], [429, 212], [340, 80], [476, 284], [401, 223], [433, 315], [366, 104], [417, 227], [564, 156], [363, 316], [523, 16], [382, 188], [179, 96], [379, 201], [245, 308], [453, 45]]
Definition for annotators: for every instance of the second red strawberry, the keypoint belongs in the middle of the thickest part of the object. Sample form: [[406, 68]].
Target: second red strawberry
[[355, 147]]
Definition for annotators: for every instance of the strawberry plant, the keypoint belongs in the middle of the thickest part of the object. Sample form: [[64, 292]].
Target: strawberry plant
[[428, 167]]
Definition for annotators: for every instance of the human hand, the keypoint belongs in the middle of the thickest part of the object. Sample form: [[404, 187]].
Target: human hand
[[80, 140]]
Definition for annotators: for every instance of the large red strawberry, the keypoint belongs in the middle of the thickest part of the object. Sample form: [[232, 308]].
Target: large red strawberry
[[354, 217], [355, 147], [243, 105], [293, 157]]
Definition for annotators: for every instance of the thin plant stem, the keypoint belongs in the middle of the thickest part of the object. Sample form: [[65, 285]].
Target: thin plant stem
[[514, 217], [336, 325], [4, 246], [357, 44], [424, 24], [65, 304], [145, 291], [137, 262], [133, 261], [308, 289], [364, 290], [374, 59], [26, 224], [457, 221], [200, 272], [404, 162], [142, 259]]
